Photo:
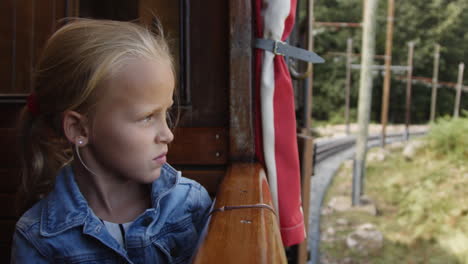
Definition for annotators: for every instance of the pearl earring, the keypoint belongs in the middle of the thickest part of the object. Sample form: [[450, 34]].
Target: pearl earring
[[80, 141]]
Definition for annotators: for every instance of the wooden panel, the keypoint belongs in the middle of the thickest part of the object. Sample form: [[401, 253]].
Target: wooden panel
[[6, 45], [242, 145], [5, 252], [24, 45], [166, 11], [168, 14], [8, 153], [10, 180], [7, 203], [44, 25], [209, 64], [198, 146], [25, 25], [122, 10], [209, 57], [210, 179], [7, 228], [306, 154], [9, 113], [247, 235]]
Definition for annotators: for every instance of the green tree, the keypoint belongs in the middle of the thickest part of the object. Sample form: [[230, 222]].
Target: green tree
[[426, 22]]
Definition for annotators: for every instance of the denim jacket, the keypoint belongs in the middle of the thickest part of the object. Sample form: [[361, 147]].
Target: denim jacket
[[62, 228]]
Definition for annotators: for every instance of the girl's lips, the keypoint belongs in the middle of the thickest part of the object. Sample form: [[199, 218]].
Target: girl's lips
[[161, 158]]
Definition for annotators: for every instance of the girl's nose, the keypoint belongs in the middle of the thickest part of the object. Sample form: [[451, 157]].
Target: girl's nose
[[165, 135]]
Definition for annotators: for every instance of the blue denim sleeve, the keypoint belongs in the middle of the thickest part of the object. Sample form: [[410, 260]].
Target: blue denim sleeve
[[22, 251]]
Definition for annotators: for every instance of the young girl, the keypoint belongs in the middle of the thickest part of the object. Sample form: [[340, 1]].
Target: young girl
[[95, 138]]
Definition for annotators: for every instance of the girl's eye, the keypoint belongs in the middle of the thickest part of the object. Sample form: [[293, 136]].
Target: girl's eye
[[148, 118]]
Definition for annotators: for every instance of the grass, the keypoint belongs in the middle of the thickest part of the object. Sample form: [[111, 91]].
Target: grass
[[422, 203]]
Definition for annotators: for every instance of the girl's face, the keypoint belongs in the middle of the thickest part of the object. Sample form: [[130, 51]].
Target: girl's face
[[129, 134]]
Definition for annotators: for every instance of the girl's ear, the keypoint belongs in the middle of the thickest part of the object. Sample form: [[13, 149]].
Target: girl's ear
[[75, 127]]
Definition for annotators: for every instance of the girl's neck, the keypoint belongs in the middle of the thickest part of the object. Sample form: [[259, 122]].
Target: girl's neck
[[110, 198]]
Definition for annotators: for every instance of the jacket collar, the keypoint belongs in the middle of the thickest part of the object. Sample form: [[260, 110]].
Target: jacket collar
[[65, 207]]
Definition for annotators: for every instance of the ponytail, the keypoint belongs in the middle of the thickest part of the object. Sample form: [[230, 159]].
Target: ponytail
[[42, 154]]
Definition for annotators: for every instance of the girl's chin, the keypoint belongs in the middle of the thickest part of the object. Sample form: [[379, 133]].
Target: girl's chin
[[154, 176]]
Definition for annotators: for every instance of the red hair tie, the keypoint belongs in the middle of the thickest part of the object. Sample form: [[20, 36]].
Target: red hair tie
[[33, 105]]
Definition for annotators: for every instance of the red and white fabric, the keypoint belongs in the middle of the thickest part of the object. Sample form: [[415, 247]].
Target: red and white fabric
[[276, 143]]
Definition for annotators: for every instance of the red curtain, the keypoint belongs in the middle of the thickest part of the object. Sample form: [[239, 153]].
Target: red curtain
[[286, 156]]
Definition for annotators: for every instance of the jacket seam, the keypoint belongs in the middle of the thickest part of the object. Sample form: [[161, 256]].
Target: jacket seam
[[33, 241]]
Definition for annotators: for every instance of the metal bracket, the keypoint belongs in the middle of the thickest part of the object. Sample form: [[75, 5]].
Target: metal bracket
[[276, 47]]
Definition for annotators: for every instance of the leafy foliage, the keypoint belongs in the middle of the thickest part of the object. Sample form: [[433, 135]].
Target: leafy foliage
[[449, 137], [424, 22]]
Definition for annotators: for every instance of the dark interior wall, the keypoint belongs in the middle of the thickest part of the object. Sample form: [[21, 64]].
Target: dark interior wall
[[209, 57], [25, 25], [209, 67], [109, 9]]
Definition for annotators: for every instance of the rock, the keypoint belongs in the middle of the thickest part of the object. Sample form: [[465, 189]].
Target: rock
[[340, 203], [342, 221], [378, 155], [408, 152], [366, 239], [343, 203], [411, 148], [326, 210], [331, 230], [367, 205], [348, 260]]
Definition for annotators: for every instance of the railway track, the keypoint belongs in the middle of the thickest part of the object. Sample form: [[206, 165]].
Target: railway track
[[328, 156], [328, 148]]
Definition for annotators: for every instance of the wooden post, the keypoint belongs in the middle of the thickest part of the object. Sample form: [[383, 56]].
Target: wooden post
[[388, 63], [349, 51], [408, 88], [310, 81], [435, 80], [307, 150], [461, 68], [241, 128], [365, 96], [72, 8]]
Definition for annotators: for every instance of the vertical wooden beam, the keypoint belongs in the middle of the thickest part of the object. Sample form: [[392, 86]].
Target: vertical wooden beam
[[7, 45], [409, 77], [461, 68], [24, 48], [306, 145], [388, 63], [349, 51], [72, 8], [435, 80], [310, 82], [242, 144]]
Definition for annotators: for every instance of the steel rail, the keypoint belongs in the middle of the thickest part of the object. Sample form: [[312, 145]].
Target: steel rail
[[326, 149]]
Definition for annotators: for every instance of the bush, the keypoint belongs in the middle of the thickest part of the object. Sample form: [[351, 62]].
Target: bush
[[449, 137]]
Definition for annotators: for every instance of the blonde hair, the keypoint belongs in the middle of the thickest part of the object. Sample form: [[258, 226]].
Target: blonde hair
[[75, 61]]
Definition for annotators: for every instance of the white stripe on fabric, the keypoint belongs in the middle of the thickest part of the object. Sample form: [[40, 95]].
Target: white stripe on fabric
[[267, 90], [274, 13]]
